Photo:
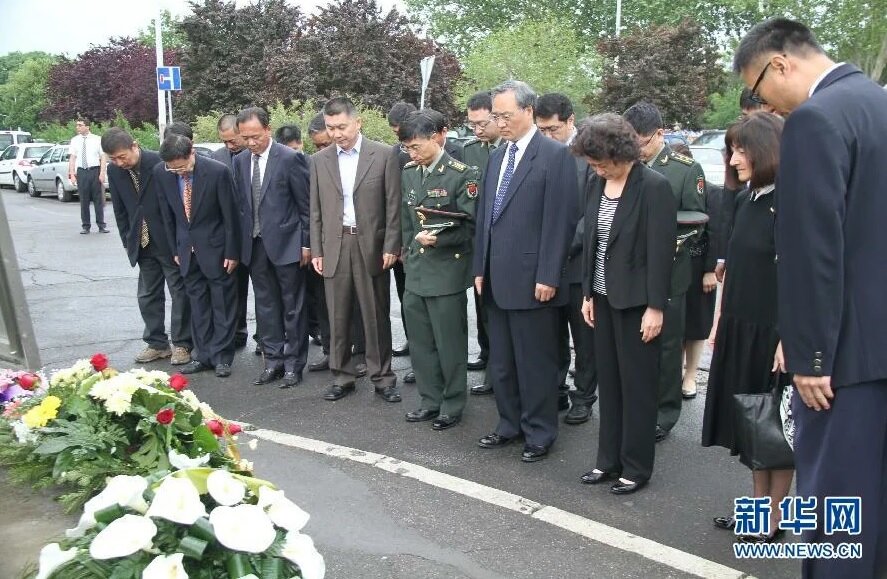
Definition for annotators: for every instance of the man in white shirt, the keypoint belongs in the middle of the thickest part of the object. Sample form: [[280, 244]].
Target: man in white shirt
[[86, 169]]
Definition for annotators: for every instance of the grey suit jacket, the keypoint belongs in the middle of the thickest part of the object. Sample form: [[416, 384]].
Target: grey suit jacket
[[377, 201]]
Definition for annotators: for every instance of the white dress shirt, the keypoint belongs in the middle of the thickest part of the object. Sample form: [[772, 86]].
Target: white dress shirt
[[93, 151], [522, 145], [263, 162], [822, 77], [348, 174]]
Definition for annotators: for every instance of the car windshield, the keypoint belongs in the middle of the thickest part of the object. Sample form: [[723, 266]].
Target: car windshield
[[35, 152], [706, 156], [714, 139]]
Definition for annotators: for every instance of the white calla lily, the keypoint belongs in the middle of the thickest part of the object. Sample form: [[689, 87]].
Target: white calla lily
[[282, 511], [183, 461], [123, 490], [177, 500], [299, 549], [165, 567], [224, 488], [51, 558], [243, 528], [122, 537]]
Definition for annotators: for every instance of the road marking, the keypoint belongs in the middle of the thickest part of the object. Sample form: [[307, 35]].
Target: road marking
[[599, 532]]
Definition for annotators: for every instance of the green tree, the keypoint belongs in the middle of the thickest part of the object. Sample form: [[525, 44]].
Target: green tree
[[23, 96], [723, 107], [548, 55], [11, 61], [170, 29]]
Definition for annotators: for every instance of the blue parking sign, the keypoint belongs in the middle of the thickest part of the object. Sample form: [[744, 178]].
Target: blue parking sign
[[169, 78]]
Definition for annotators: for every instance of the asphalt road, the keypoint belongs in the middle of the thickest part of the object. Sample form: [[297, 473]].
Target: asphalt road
[[368, 522]]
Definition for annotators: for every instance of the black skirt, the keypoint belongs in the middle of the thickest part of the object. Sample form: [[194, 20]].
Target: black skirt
[[700, 312]]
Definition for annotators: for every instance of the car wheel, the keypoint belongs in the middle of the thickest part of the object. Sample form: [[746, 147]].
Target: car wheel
[[32, 188], [17, 183], [64, 196]]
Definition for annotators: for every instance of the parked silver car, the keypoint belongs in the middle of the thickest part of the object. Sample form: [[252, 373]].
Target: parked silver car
[[49, 174]]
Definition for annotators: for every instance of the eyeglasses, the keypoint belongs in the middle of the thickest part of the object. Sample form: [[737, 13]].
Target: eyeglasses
[[550, 131], [478, 125], [414, 148], [647, 142], [178, 170], [754, 89], [504, 117]]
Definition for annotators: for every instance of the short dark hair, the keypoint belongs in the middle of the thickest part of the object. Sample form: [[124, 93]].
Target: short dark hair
[[399, 112], [415, 125], [288, 134], [746, 103], [731, 176], [227, 122], [480, 101], [644, 117], [779, 35], [257, 113], [83, 120], [437, 118], [338, 105], [317, 124], [174, 147], [115, 140], [553, 103], [606, 137], [179, 128], [758, 135]]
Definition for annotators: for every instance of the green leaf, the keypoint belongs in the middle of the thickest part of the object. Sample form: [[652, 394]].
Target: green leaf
[[205, 440]]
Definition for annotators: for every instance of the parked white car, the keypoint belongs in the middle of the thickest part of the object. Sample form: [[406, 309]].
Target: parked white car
[[712, 161], [16, 162]]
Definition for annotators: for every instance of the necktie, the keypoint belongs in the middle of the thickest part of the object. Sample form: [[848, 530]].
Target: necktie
[[257, 191], [83, 162], [143, 235], [186, 196], [506, 179]]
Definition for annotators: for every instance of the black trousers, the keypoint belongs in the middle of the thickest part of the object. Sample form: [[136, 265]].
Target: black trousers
[[242, 277], [281, 312], [572, 323], [523, 369], [213, 314], [91, 191], [155, 270], [400, 281], [483, 340], [627, 371]]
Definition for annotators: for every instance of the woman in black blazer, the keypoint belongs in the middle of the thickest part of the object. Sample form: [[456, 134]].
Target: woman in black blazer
[[630, 241]]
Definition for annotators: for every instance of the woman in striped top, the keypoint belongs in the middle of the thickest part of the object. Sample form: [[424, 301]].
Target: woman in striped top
[[630, 233]]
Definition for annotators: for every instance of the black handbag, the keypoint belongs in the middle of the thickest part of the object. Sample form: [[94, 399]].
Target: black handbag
[[758, 430]]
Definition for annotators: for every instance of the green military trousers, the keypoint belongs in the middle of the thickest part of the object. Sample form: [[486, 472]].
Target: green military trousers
[[671, 362]]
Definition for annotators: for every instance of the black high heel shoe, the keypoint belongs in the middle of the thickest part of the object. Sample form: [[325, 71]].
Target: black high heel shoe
[[726, 523]]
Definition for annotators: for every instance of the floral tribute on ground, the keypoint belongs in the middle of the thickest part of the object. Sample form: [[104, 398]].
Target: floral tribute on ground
[[163, 488]]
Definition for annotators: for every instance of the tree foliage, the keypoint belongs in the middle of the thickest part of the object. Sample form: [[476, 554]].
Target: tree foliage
[[23, 96], [723, 107], [170, 29], [674, 67], [10, 62]]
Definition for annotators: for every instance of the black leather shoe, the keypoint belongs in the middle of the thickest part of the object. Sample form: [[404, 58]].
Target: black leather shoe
[[84, 231], [563, 402], [360, 370], [494, 440], [661, 433], [482, 389], [726, 523], [761, 538], [479, 364], [594, 477], [336, 391], [421, 415], [409, 378], [389, 393], [269, 375], [315, 339], [443, 422], [194, 367], [223, 370], [402, 351], [533, 453], [621, 488], [578, 414], [103, 230], [291, 380], [320, 365], [239, 341]]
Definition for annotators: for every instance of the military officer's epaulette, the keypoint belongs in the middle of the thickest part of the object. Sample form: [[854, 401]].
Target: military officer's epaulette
[[471, 142], [410, 165], [457, 165], [682, 158]]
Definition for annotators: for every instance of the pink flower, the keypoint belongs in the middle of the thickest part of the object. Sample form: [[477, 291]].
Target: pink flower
[[166, 416], [215, 426], [178, 382]]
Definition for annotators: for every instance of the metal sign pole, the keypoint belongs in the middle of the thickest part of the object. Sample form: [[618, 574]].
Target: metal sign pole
[[158, 48]]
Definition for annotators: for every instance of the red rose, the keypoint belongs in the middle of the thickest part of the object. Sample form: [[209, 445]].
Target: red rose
[[99, 362], [178, 382], [215, 426], [28, 381], [166, 416], [233, 428]]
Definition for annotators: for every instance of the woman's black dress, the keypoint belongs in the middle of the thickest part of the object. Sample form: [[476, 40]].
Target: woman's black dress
[[746, 338]]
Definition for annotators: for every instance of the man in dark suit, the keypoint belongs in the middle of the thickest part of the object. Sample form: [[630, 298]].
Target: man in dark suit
[[830, 237], [227, 128], [526, 219], [355, 239], [555, 119], [137, 211], [202, 226], [273, 184]]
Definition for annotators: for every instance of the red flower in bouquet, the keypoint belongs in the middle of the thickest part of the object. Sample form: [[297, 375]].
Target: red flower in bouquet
[[233, 428], [166, 416], [28, 381], [99, 362], [178, 382], [215, 427]]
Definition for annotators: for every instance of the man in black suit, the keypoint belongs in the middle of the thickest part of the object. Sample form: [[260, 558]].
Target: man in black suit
[[555, 119], [137, 211], [525, 220], [203, 228], [227, 128], [273, 184], [830, 237]]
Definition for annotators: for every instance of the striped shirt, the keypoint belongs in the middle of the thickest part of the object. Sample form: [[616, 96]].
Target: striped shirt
[[604, 222]]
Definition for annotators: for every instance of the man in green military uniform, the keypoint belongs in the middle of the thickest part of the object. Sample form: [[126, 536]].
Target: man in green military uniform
[[476, 153], [437, 219], [688, 184]]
